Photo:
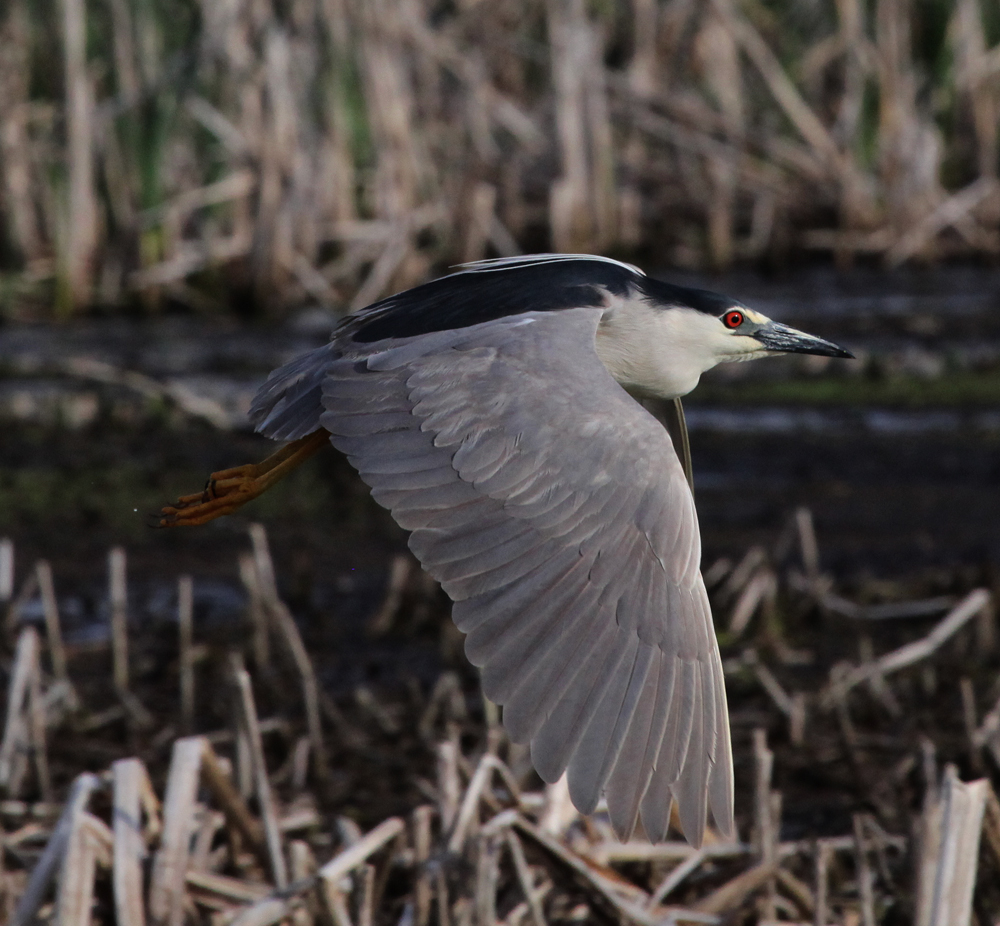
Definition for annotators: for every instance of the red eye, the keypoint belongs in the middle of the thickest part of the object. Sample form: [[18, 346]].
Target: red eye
[[732, 319]]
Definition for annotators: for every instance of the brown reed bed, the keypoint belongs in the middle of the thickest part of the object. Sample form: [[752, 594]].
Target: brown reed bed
[[182, 775], [333, 150]]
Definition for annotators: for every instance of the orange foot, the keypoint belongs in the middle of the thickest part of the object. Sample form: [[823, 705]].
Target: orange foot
[[230, 489]]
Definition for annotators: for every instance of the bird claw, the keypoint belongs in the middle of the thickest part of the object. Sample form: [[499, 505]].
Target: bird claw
[[230, 489], [224, 492]]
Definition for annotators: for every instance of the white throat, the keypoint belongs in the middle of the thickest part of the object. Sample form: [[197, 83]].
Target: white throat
[[660, 353]]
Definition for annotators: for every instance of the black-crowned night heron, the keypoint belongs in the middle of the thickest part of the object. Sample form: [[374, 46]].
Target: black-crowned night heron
[[492, 412]]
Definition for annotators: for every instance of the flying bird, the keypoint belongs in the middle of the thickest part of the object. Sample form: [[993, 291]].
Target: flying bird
[[496, 412]]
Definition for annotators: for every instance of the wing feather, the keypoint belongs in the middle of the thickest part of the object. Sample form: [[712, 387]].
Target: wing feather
[[555, 513]]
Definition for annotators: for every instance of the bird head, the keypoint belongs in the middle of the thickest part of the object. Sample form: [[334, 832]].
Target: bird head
[[659, 338]]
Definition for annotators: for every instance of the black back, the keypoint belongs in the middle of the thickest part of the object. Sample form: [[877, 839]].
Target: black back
[[476, 296], [472, 297]]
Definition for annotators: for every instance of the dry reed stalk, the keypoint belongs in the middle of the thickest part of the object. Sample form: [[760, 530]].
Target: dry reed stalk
[[401, 164], [421, 839], [949, 852], [399, 572], [166, 889], [571, 213], [53, 628], [89, 843], [766, 824], [310, 685], [6, 569], [733, 894], [821, 880], [265, 800], [234, 890], [910, 148], [118, 600], [265, 912], [752, 560], [15, 143], [524, 878], [606, 889], [55, 849], [266, 581], [255, 609], [717, 57], [265, 586], [24, 735], [80, 228], [913, 652], [37, 722], [185, 620], [972, 79], [357, 854], [130, 780], [234, 808], [365, 888], [759, 592], [865, 876], [448, 784], [877, 683], [272, 247]]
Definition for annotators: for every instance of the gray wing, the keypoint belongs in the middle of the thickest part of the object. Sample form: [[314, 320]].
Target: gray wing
[[554, 512], [289, 404]]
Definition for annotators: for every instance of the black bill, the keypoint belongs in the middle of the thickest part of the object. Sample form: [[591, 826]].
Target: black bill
[[788, 340]]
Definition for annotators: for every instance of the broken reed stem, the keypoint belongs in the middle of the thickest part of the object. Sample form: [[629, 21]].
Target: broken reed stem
[[381, 621], [53, 629], [913, 652], [185, 621], [422, 817], [822, 851], [22, 735], [166, 889], [271, 605], [45, 869], [36, 721], [233, 806], [251, 726], [90, 841], [263, 563], [255, 609], [129, 846], [864, 874], [310, 685], [118, 598], [350, 858]]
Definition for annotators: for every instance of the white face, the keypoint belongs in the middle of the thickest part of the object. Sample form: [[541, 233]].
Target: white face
[[664, 352]]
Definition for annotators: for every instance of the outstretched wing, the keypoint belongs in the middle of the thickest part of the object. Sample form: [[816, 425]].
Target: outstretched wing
[[553, 510]]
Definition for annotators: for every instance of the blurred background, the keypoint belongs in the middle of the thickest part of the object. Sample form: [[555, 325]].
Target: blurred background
[[193, 191]]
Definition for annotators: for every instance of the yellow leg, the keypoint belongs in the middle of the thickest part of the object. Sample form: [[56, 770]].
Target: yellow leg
[[230, 489]]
